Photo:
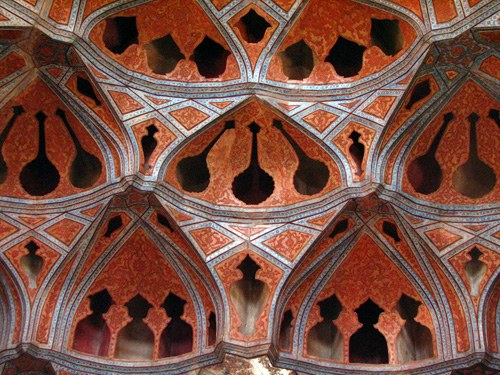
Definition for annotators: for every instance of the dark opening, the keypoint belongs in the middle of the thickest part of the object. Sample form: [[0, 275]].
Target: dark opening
[[212, 329], [17, 110], [387, 35], [391, 230], [414, 341], [475, 269], [84, 87], [346, 57], [32, 264], [474, 178], [311, 175], [40, 177], [419, 92], [148, 144], [285, 338], [114, 224], [340, 227], [92, 334], [494, 114], [210, 58], [192, 172], [163, 54], [252, 27], [249, 296], [162, 220], [254, 185], [120, 33], [324, 339], [297, 61], [357, 152], [368, 345], [136, 340], [424, 173], [177, 338]]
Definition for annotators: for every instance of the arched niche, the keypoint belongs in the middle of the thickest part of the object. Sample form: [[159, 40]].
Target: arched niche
[[218, 166], [140, 312]]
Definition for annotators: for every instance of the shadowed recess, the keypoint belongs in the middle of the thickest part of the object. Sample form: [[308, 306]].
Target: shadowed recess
[[85, 169], [324, 339], [148, 144], [311, 175], [32, 264], [136, 340], [297, 60], [252, 27], [84, 87], [40, 177], [419, 92], [414, 341], [114, 224], [474, 178], [346, 57], [387, 35], [340, 227], [391, 230], [475, 269], [192, 172], [163, 54], [210, 58], [249, 296], [357, 152], [368, 345], [424, 173], [120, 33], [92, 334], [254, 185], [286, 326], [212, 329], [177, 338], [164, 222]]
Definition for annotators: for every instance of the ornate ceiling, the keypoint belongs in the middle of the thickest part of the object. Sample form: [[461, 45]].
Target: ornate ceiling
[[315, 181]]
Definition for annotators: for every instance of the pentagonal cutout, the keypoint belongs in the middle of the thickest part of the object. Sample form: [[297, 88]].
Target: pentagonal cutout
[[252, 27], [210, 58], [120, 33], [346, 57], [387, 35], [297, 60], [163, 54]]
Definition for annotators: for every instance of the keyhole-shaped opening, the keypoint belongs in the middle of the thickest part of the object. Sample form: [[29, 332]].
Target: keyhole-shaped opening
[[391, 230], [324, 339], [92, 334], [249, 296], [297, 61], [346, 57], [177, 337], [357, 152], [32, 264], [212, 328], [475, 269], [163, 221], [148, 144], [163, 54], [84, 87], [419, 92], [136, 340], [340, 227], [252, 27], [285, 337], [414, 341], [120, 33], [114, 224], [210, 58], [367, 344], [387, 35]]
